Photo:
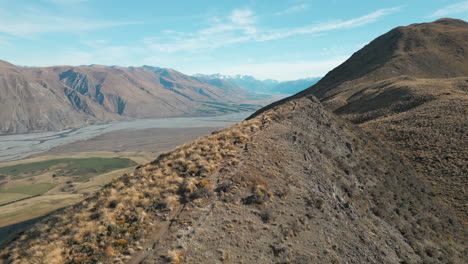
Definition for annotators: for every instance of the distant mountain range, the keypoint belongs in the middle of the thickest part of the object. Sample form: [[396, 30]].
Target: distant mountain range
[[250, 83], [54, 98]]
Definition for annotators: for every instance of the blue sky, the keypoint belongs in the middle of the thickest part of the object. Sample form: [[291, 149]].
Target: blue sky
[[282, 40]]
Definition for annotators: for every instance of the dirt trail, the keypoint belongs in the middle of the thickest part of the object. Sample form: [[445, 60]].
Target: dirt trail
[[161, 232], [157, 235]]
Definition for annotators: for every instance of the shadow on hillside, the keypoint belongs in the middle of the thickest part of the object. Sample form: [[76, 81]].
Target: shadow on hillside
[[7, 233]]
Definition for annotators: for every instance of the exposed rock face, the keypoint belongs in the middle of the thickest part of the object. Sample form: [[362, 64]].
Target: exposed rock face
[[76, 101], [83, 85], [26, 104], [117, 104], [37, 97]]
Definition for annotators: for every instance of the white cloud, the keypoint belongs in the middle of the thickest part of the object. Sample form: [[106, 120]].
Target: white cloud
[[451, 9], [242, 27], [242, 16], [324, 27], [33, 22], [292, 9]]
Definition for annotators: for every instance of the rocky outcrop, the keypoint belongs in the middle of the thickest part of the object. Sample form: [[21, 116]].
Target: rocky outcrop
[[82, 84], [26, 105], [76, 101], [117, 104]]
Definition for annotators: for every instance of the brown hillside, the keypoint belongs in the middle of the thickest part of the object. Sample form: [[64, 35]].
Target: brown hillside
[[422, 111], [304, 188], [5, 64], [410, 87], [54, 98], [428, 50]]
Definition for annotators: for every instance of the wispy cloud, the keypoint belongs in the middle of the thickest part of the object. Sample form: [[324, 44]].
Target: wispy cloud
[[242, 27], [329, 26], [292, 9], [242, 16], [239, 27], [34, 22], [451, 9]]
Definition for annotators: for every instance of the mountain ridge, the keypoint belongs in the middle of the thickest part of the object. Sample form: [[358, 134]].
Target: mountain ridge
[[250, 83], [60, 97]]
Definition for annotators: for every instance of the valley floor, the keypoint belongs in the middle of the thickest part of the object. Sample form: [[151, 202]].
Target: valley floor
[[139, 146]]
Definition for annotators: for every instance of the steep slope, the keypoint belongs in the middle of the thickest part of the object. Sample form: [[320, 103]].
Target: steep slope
[[304, 188], [416, 99], [426, 121], [34, 96], [5, 64], [410, 87], [428, 50], [27, 104]]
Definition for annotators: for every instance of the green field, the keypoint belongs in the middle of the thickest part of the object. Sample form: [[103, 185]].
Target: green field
[[14, 193], [31, 189], [80, 169], [84, 168], [11, 197]]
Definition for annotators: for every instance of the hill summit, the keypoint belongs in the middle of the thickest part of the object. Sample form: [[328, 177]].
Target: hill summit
[[409, 86]]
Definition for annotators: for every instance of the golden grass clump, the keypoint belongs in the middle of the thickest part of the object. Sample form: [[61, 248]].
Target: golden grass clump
[[173, 257], [128, 209]]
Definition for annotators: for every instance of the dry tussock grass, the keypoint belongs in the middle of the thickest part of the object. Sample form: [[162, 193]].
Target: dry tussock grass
[[110, 224]]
